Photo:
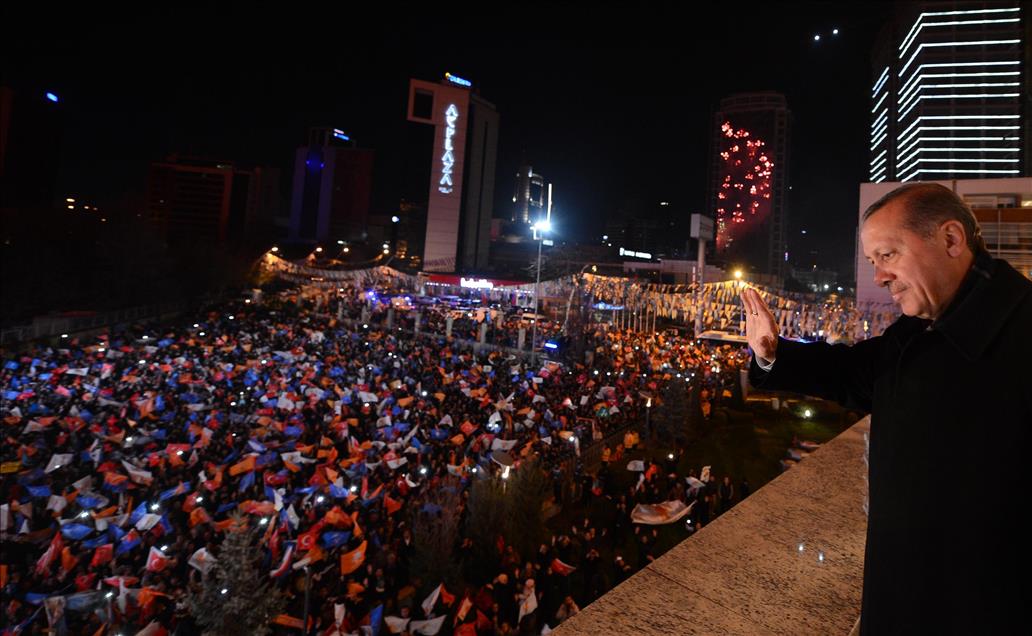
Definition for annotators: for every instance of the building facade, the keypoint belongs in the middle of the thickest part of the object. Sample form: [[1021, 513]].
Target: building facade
[[332, 188], [530, 199], [204, 200], [462, 179], [949, 94], [749, 181]]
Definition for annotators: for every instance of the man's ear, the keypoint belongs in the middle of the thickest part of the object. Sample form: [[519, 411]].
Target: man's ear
[[954, 236]]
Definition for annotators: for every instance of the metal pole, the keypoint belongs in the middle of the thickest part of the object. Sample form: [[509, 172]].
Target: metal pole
[[701, 268], [308, 591], [533, 331]]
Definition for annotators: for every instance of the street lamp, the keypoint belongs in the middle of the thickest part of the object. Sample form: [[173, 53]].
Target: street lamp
[[539, 228]]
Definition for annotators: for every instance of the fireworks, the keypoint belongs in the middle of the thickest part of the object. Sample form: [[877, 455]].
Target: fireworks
[[744, 197]]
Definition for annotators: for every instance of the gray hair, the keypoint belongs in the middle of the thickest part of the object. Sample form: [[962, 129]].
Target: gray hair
[[928, 206]]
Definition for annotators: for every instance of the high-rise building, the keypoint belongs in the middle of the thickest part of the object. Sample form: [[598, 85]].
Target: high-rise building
[[462, 173], [530, 199], [201, 199], [749, 181], [333, 185], [950, 81]]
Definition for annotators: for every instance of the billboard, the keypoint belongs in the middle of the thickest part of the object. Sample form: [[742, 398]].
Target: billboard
[[446, 107]]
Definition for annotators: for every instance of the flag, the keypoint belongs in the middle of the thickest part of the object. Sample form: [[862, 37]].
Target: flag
[[636, 465], [202, 560], [128, 542], [559, 567], [428, 627], [156, 560], [58, 460], [138, 475], [199, 516], [247, 465], [56, 545], [306, 540], [464, 608], [75, 531], [528, 605], [438, 593], [658, 514], [335, 538], [375, 619], [391, 505], [68, 560], [351, 561], [181, 489], [396, 624], [102, 555], [284, 565]]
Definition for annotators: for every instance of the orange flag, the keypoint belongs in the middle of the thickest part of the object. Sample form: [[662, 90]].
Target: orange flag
[[68, 560], [198, 516], [391, 505], [351, 561], [354, 520], [245, 466]]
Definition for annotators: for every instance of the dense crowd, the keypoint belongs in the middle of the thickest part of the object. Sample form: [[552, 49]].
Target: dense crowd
[[129, 457]]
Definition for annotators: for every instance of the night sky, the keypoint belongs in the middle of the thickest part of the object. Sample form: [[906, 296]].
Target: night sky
[[611, 104]]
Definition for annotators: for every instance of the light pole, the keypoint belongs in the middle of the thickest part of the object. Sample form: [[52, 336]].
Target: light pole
[[541, 226], [741, 320]]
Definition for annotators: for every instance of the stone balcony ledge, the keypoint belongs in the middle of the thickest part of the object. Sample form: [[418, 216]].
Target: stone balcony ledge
[[744, 573]]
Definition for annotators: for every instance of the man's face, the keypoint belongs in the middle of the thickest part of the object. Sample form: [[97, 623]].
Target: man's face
[[916, 270]]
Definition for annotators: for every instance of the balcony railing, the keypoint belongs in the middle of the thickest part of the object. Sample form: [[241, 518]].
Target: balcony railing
[[787, 560]]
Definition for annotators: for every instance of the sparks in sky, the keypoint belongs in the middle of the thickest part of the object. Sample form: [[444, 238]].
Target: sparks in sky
[[743, 201]]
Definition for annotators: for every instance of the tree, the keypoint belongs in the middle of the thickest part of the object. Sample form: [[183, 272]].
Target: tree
[[511, 508], [434, 532], [236, 597]]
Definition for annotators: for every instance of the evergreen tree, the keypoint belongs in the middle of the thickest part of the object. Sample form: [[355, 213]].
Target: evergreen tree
[[434, 535], [236, 597]]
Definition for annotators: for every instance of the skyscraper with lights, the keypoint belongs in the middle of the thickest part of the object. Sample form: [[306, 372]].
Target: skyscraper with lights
[[749, 181], [949, 94]]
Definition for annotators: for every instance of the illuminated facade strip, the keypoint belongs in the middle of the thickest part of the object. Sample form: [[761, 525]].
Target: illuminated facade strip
[[932, 14], [915, 96], [881, 82], [880, 129], [904, 148], [879, 103], [955, 44], [956, 171], [884, 117], [880, 155], [951, 66], [903, 51], [956, 96], [965, 128], [879, 139], [911, 159], [880, 164]]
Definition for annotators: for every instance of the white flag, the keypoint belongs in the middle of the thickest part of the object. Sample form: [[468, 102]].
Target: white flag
[[431, 600], [659, 514], [396, 624], [429, 628], [202, 560]]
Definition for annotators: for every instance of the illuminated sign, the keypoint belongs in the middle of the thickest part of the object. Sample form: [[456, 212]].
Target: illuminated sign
[[339, 134], [624, 252], [458, 80], [476, 283], [448, 158]]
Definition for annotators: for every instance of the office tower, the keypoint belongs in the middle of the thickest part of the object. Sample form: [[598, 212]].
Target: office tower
[[749, 181], [950, 81], [530, 199], [462, 173], [333, 184]]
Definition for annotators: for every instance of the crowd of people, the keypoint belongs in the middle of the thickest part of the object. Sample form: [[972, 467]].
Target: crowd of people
[[129, 457]]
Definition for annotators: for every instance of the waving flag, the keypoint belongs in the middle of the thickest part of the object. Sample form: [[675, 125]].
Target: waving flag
[[351, 561], [284, 565], [55, 547], [57, 460], [429, 627], [75, 531], [561, 568], [181, 489], [156, 560], [202, 560], [335, 538], [102, 555], [658, 514]]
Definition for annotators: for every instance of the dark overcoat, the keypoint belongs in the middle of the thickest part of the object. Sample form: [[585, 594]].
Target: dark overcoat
[[950, 456]]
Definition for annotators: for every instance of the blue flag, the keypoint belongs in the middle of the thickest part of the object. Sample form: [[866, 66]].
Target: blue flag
[[115, 532], [224, 507], [96, 542], [88, 502], [75, 531], [337, 492], [334, 538], [247, 481], [39, 491], [129, 542], [376, 619], [138, 513]]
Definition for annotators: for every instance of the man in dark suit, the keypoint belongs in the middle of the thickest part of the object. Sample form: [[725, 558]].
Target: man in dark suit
[[949, 389]]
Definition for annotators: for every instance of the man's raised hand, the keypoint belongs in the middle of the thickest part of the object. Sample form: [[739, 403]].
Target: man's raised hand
[[760, 327]]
